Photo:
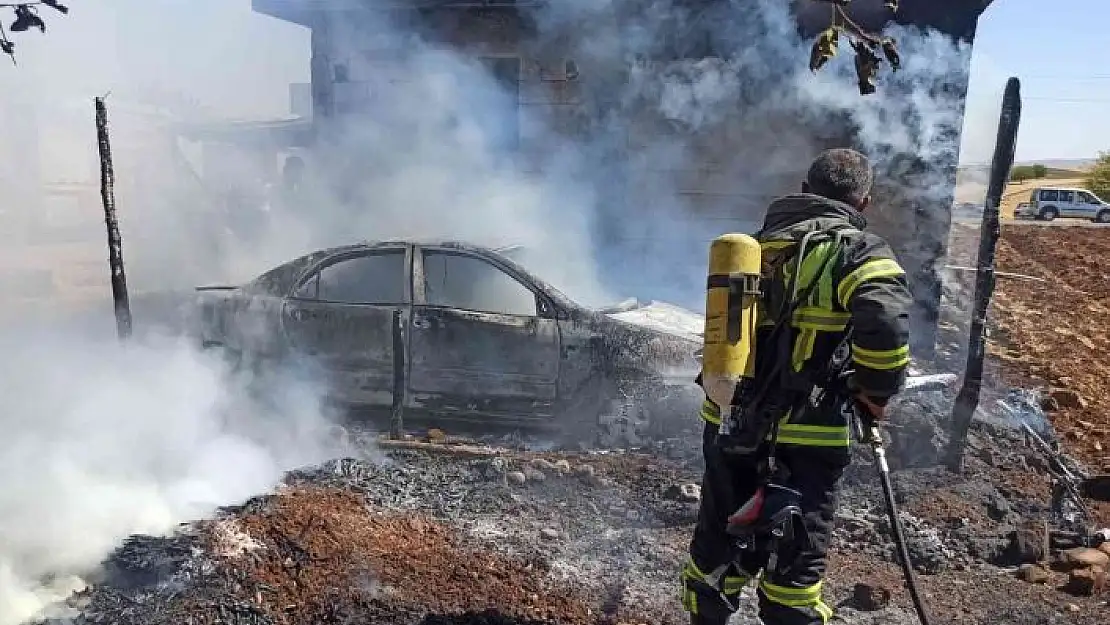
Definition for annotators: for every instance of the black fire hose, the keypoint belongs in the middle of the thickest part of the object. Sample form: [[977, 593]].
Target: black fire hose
[[868, 432]]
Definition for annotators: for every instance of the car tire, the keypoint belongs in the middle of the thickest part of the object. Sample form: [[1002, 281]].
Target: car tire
[[1048, 214], [1103, 217]]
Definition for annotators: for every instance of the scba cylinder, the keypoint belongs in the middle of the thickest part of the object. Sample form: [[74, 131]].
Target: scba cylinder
[[732, 298]]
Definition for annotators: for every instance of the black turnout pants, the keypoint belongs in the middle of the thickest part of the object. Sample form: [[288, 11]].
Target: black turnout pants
[[785, 598]]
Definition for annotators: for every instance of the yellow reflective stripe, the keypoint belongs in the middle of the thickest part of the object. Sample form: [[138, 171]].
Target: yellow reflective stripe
[[803, 348], [809, 596], [690, 601], [710, 412], [824, 611], [820, 319], [808, 272], [815, 435], [882, 360], [775, 246], [734, 584], [691, 570], [871, 270], [817, 315]]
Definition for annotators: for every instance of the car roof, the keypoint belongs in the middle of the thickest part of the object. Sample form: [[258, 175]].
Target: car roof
[[445, 243], [1061, 189], [498, 254]]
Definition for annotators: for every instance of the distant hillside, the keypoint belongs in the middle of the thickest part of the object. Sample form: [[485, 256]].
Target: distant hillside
[[1072, 164], [1066, 165]]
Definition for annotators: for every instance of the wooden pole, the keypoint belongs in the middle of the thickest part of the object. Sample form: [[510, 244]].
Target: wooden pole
[[121, 303], [968, 399]]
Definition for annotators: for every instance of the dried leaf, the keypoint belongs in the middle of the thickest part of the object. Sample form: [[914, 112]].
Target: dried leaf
[[867, 67], [890, 51], [26, 19], [891, 5], [824, 48]]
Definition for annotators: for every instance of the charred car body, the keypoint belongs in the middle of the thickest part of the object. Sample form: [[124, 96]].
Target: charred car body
[[464, 333]]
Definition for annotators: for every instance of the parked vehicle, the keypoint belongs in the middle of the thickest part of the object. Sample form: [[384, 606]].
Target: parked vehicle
[[480, 339], [1048, 203]]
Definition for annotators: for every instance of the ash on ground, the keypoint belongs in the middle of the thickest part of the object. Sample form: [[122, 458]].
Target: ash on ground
[[485, 534]]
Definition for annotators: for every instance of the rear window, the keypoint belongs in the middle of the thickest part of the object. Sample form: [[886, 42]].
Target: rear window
[[1050, 195]]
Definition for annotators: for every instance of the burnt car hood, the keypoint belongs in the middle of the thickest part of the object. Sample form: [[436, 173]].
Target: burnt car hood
[[661, 317]]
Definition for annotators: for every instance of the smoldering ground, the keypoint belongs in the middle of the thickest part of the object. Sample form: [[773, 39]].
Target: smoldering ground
[[103, 440]]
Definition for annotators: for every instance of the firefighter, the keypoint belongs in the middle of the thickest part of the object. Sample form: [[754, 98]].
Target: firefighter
[[853, 305]]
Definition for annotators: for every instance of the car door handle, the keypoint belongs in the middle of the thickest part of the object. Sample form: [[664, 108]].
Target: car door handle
[[421, 323]]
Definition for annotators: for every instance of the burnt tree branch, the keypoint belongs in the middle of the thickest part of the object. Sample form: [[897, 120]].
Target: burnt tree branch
[[121, 303], [968, 399]]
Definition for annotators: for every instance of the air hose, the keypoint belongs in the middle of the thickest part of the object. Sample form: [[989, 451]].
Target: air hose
[[871, 435]]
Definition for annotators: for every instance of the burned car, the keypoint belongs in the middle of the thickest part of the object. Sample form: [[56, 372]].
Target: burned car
[[452, 331]]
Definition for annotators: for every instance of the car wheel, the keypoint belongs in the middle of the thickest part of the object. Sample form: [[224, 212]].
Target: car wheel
[[1103, 217], [1048, 214]]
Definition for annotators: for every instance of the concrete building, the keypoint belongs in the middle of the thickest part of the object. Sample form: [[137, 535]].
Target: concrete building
[[351, 64]]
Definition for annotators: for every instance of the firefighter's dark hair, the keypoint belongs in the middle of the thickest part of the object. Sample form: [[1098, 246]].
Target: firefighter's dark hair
[[841, 174]]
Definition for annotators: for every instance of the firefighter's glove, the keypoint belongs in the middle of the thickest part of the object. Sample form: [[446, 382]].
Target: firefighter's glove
[[870, 407]]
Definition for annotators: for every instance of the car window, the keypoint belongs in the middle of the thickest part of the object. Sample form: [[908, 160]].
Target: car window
[[1067, 196], [1088, 198], [469, 283], [1049, 196], [372, 279]]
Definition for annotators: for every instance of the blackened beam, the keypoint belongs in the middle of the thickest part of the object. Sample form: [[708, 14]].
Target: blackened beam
[[968, 399]]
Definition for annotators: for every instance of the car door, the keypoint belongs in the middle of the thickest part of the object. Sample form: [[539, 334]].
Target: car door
[[342, 316], [1068, 207], [1089, 203], [482, 339]]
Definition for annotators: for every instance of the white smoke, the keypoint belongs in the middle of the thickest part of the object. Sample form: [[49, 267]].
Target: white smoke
[[104, 440]]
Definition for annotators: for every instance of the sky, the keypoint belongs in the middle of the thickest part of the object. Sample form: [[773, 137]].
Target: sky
[[192, 55], [1057, 50]]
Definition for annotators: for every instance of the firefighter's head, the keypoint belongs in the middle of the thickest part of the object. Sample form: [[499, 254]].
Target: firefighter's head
[[843, 175]]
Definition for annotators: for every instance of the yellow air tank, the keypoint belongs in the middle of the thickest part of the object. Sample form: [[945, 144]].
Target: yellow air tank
[[732, 297]]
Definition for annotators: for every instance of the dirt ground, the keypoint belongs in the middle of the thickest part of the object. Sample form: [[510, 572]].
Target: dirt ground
[[498, 532], [1052, 329]]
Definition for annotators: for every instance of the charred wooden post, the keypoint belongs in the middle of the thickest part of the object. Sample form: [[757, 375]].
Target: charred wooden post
[[396, 416], [968, 399], [121, 303]]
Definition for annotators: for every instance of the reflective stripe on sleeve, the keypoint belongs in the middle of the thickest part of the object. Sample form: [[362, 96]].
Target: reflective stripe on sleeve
[[881, 360], [871, 270]]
